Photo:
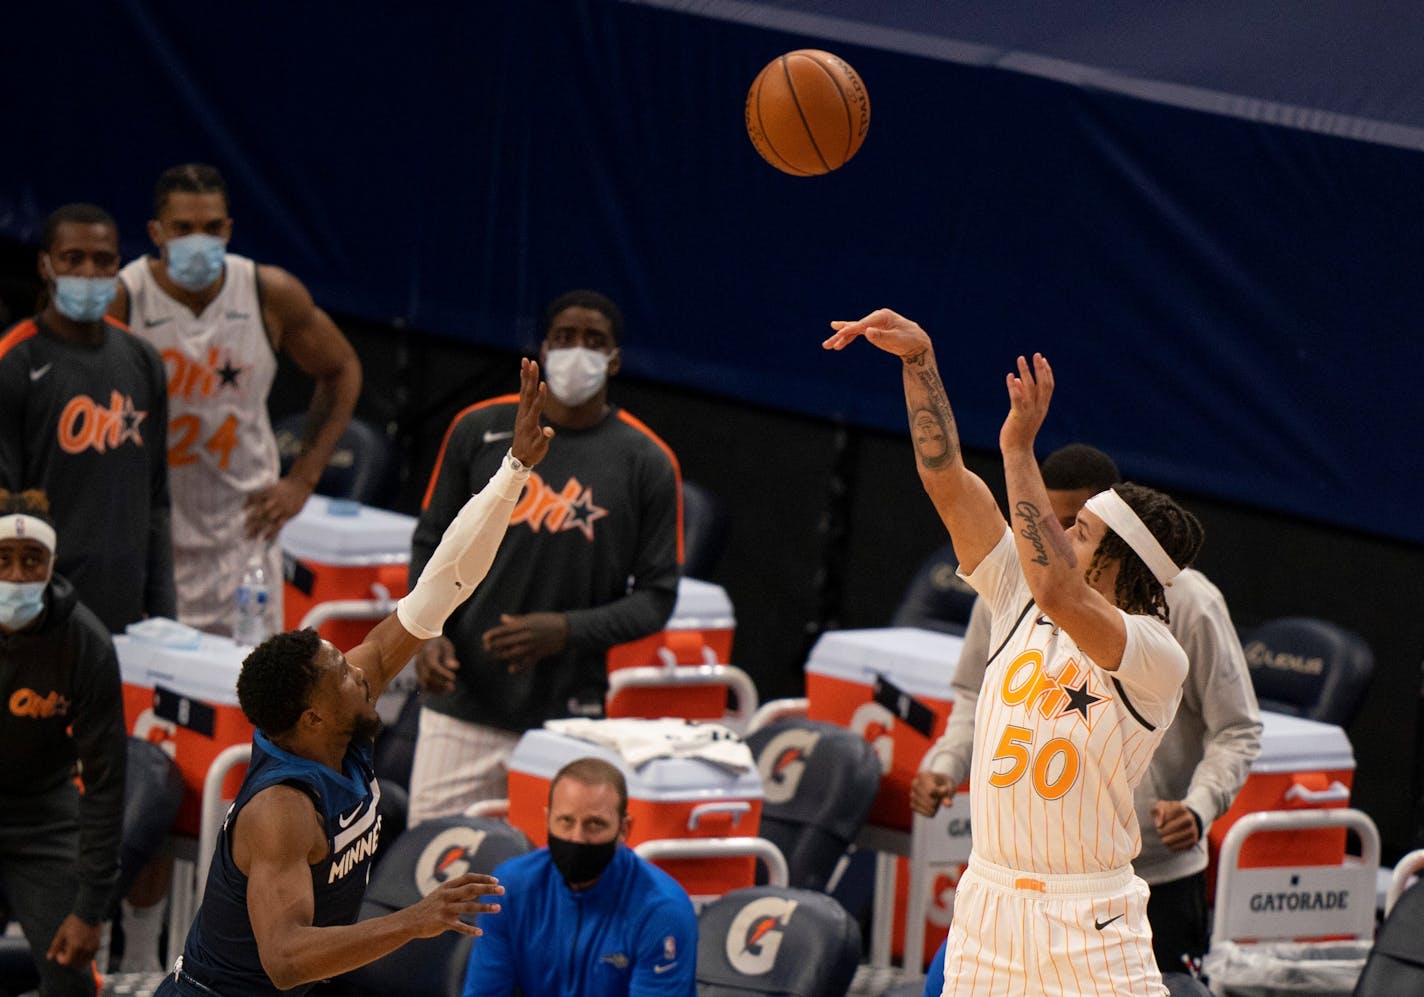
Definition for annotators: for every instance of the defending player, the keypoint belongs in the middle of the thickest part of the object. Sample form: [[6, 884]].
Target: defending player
[[291, 861], [1083, 680]]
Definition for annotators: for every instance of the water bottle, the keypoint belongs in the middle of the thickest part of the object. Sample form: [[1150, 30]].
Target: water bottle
[[251, 628]]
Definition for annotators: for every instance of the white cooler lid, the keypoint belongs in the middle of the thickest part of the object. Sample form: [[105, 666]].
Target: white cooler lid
[[542, 753], [701, 606], [1295, 744], [207, 672], [921, 662], [352, 535]]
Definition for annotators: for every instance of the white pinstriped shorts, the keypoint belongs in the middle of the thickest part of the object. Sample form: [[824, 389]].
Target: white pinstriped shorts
[[1019, 933], [457, 763]]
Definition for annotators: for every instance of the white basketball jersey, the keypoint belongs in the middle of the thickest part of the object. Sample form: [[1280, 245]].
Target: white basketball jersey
[[221, 448], [1059, 743]]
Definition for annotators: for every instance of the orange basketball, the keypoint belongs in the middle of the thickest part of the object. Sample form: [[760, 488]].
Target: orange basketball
[[807, 112]]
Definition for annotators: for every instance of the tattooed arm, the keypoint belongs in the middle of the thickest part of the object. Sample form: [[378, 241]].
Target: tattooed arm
[[961, 498], [1054, 561]]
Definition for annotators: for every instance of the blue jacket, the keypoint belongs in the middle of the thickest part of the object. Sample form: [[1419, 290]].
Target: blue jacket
[[633, 933]]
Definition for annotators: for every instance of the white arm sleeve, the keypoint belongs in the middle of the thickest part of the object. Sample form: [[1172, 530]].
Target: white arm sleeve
[[464, 554]]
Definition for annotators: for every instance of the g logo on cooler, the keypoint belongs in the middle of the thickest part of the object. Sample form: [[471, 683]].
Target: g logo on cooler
[[148, 727], [754, 937], [447, 856], [874, 723], [782, 763]]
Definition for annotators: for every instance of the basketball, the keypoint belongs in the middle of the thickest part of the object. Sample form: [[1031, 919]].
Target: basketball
[[807, 112]]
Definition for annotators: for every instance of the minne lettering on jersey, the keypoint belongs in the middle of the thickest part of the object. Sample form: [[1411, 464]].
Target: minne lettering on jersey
[[363, 848]]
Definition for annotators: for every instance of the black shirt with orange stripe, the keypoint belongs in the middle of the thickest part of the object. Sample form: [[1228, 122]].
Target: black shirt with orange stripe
[[88, 425], [596, 534]]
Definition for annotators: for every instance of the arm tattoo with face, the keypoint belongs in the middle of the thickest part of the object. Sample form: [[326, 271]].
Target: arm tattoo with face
[[932, 427]]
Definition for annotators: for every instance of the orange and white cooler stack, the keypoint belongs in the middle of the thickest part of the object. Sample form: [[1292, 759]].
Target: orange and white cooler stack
[[668, 797], [1303, 765], [180, 692], [892, 685], [338, 550], [699, 632]]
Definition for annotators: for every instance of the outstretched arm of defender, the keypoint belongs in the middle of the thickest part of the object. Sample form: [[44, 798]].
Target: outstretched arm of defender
[[960, 496], [465, 552]]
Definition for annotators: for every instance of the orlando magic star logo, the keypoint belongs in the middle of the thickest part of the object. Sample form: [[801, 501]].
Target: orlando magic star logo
[[582, 514], [1079, 699], [228, 374]]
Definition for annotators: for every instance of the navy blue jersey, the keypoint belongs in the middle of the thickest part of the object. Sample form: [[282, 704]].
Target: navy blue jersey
[[221, 951]]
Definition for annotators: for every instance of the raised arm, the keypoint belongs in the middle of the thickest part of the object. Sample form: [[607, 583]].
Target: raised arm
[[465, 552], [964, 503], [1049, 559]]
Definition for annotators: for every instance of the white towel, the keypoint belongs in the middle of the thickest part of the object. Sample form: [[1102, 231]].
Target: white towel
[[641, 741]]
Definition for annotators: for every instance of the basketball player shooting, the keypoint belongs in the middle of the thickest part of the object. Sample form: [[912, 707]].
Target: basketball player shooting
[[1084, 680]]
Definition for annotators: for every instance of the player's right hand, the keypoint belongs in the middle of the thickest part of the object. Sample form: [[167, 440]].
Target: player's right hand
[[531, 440], [440, 910], [885, 329], [929, 791], [436, 664]]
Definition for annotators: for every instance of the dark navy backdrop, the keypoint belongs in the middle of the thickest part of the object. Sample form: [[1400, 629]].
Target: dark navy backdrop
[[1231, 305]]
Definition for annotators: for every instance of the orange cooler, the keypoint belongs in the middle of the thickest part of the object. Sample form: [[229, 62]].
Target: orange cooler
[[698, 632], [1303, 765], [892, 686], [667, 798], [184, 699], [338, 549]]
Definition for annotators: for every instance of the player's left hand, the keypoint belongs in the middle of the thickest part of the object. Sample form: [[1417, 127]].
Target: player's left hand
[[269, 509], [75, 942], [1030, 390], [521, 641], [1175, 823]]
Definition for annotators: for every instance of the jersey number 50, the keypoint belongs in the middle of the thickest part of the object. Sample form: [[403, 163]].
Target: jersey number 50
[[1050, 778]]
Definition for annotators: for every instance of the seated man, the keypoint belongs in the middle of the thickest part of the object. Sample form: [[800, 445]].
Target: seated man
[[59, 678], [623, 925], [293, 855]]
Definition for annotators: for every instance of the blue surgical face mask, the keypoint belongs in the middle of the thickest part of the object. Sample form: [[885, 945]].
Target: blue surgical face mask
[[83, 299], [194, 261], [20, 603]]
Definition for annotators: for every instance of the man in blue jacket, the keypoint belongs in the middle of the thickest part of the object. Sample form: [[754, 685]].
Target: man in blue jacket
[[586, 915]]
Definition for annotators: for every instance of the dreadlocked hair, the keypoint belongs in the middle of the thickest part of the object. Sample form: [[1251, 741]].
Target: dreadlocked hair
[[30, 502], [277, 679], [1179, 532]]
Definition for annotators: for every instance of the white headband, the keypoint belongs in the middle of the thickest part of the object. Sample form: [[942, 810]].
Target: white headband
[[18, 526], [1113, 510]]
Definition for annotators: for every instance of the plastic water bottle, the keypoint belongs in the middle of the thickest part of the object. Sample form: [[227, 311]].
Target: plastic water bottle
[[252, 594]]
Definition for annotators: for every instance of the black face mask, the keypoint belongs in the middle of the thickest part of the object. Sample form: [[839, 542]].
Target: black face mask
[[578, 862]]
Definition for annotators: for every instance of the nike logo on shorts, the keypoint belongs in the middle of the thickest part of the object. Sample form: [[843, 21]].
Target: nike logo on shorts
[[38, 372], [1100, 925], [496, 437]]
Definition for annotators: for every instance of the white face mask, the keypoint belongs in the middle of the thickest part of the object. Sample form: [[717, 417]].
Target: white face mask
[[20, 603], [575, 373]]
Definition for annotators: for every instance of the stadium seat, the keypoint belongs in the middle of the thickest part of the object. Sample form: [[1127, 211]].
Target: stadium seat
[[420, 860], [776, 940], [363, 467], [819, 781], [1396, 962], [936, 598], [704, 530], [1309, 668]]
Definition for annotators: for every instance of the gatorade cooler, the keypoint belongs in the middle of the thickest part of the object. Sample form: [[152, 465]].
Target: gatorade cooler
[[184, 699], [892, 686], [339, 549], [1303, 765], [698, 632], [667, 798]]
